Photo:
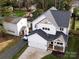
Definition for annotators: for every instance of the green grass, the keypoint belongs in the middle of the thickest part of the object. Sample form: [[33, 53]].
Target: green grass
[[73, 47], [19, 13], [20, 52], [77, 24]]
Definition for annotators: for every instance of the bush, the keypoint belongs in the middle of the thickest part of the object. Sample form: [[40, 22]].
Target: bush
[[7, 11], [37, 13]]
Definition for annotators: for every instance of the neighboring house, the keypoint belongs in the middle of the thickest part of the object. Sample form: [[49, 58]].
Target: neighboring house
[[16, 25], [50, 31]]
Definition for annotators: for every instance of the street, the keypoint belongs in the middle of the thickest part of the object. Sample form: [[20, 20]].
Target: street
[[8, 54]]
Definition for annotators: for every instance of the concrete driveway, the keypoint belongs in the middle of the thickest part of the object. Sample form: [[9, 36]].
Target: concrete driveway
[[34, 53]]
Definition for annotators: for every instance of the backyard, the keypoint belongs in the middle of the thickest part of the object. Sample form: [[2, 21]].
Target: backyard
[[71, 51]]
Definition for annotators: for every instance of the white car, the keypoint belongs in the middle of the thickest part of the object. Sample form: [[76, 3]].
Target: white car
[[25, 37]]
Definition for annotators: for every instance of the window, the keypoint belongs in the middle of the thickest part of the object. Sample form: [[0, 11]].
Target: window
[[59, 43], [45, 28], [51, 42], [61, 29], [48, 29]]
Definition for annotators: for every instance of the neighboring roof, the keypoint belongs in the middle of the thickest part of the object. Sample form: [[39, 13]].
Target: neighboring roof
[[49, 37], [13, 20], [62, 18]]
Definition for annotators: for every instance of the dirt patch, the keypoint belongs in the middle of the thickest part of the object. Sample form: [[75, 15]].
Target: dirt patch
[[6, 41], [4, 44]]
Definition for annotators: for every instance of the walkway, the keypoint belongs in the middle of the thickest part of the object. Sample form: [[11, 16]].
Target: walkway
[[34, 53]]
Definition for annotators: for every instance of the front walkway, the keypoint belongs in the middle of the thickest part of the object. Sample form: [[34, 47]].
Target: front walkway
[[34, 53]]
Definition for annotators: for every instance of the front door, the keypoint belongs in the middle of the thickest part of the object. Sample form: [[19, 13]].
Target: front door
[[50, 47], [22, 33]]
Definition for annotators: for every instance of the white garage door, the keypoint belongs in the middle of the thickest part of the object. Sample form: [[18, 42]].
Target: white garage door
[[38, 45]]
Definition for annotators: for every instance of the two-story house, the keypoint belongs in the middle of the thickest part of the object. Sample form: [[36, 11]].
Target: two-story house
[[50, 31]]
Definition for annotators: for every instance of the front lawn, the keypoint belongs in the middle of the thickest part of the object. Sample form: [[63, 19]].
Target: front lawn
[[71, 52]]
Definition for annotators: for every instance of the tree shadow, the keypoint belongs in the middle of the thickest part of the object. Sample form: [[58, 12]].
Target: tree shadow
[[5, 37], [58, 54]]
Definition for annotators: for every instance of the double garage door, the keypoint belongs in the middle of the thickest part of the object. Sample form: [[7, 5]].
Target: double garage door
[[38, 45]]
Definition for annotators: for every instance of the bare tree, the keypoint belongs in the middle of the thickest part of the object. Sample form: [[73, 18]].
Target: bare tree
[[27, 3]]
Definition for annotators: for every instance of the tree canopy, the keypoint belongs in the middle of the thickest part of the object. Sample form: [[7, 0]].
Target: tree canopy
[[76, 11]]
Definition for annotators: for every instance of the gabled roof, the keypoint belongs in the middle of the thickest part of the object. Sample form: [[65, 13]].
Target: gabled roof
[[55, 17], [50, 18], [46, 16], [62, 18], [49, 37]]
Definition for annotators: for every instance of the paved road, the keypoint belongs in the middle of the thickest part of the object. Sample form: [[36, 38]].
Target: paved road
[[12, 51]]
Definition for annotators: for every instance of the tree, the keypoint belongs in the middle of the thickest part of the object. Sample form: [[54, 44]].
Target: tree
[[76, 11], [75, 15], [64, 4], [27, 4], [6, 2], [73, 23], [44, 4], [37, 13], [7, 11]]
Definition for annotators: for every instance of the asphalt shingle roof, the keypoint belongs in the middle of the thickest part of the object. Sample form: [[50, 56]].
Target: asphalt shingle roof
[[49, 37], [57, 18], [62, 18]]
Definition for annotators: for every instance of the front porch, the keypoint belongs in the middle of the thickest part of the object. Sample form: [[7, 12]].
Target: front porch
[[58, 48], [51, 47]]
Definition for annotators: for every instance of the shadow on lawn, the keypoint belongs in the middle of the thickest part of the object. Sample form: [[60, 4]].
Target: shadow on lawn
[[5, 37], [58, 54]]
